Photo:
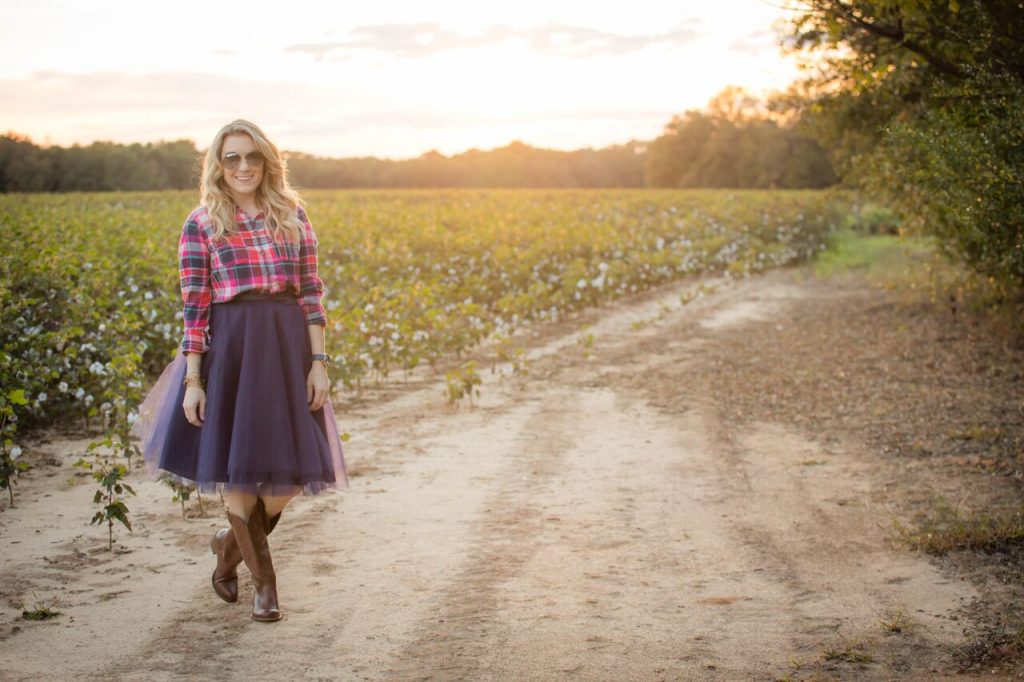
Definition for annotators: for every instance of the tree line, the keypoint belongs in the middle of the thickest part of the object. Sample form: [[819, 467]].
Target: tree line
[[710, 148]]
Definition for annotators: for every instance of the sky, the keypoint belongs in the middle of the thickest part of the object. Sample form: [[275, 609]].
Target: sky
[[391, 79]]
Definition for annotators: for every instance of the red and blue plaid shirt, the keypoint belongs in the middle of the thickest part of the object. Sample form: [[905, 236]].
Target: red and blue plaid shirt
[[248, 259]]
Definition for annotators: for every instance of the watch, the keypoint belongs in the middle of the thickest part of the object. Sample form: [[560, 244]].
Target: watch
[[322, 357]]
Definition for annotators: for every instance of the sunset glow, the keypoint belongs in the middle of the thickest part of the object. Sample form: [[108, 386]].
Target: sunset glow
[[391, 80]]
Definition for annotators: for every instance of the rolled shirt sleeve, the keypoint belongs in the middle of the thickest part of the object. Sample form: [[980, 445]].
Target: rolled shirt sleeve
[[194, 276], [311, 287]]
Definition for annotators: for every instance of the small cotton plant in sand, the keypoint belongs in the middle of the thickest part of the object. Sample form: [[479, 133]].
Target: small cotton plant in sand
[[462, 383], [183, 493], [513, 356], [10, 464], [112, 488], [586, 345]]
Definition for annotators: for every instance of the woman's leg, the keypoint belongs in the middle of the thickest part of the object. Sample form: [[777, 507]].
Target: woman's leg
[[240, 504]]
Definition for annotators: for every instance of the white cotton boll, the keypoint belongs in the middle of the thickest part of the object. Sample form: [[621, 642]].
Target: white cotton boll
[[16, 452]]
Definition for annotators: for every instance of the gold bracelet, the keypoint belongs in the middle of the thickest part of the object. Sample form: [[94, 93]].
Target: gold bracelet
[[196, 380]]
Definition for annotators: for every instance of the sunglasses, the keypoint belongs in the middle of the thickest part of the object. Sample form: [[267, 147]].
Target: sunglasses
[[233, 160]]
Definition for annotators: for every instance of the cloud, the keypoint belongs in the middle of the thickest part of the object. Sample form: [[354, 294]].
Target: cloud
[[426, 38], [128, 107], [756, 42], [54, 91]]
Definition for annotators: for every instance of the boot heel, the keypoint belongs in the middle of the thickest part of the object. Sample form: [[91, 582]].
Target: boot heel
[[225, 577]]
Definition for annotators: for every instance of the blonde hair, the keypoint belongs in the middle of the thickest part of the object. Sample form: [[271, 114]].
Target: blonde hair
[[274, 196]]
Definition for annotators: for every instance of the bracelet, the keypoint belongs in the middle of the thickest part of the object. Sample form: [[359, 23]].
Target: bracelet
[[194, 379], [323, 357]]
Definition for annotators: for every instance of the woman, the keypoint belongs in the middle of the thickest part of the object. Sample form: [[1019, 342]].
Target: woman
[[244, 408]]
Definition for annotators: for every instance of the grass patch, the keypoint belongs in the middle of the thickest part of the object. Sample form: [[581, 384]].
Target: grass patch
[[896, 621], [916, 266], [39, 612], [945, 529], [848, 652], [880, 256]]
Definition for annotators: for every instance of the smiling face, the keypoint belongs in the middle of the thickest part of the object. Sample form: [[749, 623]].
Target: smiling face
[[244, 180]]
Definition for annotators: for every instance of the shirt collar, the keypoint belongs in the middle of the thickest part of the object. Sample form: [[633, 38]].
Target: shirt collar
[[242, 215]]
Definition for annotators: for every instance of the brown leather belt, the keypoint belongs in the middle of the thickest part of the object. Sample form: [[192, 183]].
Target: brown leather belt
[[286, 296]]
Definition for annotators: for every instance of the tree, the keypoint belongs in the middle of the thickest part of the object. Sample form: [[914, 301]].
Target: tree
[[921, 101], [736, 141]]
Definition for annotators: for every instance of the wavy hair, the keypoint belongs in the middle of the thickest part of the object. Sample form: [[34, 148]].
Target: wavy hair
[[274, 196]]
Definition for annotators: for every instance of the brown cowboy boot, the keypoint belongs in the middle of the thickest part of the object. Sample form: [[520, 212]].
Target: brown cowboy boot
[[251, 537], [225, 574]]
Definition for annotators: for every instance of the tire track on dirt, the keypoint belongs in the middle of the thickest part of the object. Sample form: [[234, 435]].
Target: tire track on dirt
[[464, 624]]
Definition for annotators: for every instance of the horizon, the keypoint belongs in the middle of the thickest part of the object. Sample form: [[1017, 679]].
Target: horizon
[[202, 150]]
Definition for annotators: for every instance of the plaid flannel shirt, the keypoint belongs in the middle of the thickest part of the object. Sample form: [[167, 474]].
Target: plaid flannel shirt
[[213, 273]]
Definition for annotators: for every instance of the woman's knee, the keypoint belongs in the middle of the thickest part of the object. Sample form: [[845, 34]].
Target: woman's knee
[[240, 504]]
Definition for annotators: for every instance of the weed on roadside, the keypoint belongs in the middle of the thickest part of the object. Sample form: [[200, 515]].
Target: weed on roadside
[[39, 611], [847, 651], [944, 529]]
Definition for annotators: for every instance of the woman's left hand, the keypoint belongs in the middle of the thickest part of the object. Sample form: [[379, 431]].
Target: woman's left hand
[[317, 386]]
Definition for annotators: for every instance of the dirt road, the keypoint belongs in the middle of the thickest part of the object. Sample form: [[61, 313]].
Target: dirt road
[[597, 519]]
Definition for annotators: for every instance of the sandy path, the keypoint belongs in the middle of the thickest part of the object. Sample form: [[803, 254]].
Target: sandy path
[[592, 521]]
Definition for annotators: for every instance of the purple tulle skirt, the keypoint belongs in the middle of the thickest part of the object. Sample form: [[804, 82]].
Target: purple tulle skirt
[[259, 435]]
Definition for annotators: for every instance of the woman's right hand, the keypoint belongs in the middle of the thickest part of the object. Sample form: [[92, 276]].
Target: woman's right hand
[[195, 405]]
